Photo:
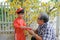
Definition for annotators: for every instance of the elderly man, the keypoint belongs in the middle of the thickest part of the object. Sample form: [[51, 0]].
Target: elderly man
[[44, 31]]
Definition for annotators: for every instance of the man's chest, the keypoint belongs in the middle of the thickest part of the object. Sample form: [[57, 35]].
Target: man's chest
[[41, 31]]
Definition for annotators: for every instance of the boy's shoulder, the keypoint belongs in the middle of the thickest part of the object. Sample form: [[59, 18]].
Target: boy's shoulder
[[16, 20]]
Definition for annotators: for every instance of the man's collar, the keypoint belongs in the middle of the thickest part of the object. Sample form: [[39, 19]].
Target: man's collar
[[43, 26]]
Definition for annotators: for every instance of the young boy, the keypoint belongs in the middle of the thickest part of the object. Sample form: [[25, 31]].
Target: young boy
[[44, 31], [20, 25]]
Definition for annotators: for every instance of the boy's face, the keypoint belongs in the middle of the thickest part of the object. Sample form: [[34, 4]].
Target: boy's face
[[20, 15], [40, 22]]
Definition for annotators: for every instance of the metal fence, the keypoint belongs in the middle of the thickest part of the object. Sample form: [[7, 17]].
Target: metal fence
[[6, 27], [5, 18]]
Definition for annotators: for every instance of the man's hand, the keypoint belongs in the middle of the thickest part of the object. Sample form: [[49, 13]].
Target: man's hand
[[31, 32]]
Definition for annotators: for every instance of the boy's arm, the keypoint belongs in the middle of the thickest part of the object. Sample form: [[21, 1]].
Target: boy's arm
[[16, 25], [26, 28]]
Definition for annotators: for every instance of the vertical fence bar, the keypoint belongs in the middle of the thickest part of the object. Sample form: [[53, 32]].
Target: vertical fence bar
[[57, 26], [4, 10], [2, 17], [8, 18], [11, 20], [0, 21], [7, 15]]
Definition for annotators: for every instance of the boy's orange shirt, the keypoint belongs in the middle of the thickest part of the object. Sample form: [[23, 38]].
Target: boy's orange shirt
[[19, 33]]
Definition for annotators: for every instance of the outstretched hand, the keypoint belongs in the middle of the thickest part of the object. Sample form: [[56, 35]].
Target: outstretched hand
[[31, 32], [28, 28]]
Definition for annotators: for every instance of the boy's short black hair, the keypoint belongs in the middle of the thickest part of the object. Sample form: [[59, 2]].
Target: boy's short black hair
[[21, 12], [44, 17]]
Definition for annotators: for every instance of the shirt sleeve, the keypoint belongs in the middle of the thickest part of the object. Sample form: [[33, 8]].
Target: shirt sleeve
[[47, 35], [22, 23]]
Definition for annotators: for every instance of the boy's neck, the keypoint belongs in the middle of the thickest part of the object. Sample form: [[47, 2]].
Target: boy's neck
[[20, 17]]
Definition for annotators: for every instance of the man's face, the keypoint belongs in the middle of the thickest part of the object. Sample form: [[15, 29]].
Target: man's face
[[20, 15], [40, 22]]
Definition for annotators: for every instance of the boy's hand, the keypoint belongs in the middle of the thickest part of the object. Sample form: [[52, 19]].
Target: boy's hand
[[26, 28], [29, 28]]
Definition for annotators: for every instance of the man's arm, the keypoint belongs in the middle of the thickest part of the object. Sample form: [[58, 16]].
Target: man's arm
[[35, 31], [35, 35]]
